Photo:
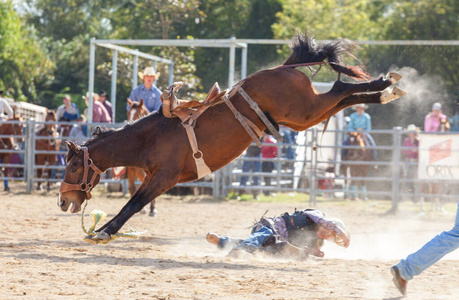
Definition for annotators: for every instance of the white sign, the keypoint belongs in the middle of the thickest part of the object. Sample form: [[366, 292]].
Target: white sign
[[438, 156]]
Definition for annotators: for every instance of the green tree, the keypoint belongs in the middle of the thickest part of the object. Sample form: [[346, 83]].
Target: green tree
[[23, 61]]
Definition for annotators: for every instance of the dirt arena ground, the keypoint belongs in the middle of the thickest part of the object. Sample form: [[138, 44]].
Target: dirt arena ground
[[43, 255]]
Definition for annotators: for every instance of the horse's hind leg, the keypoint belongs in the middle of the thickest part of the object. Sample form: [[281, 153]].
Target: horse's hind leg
[[341, 90]]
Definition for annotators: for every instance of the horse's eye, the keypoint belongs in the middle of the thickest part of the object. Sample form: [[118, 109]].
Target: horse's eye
[[73, 170]]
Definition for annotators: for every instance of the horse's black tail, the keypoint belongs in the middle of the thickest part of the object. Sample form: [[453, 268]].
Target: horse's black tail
[[306, 50]]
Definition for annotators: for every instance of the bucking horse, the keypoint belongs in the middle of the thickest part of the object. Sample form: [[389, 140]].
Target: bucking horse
[[172, 150]]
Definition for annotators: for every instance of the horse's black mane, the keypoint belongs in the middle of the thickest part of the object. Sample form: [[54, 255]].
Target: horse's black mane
[[306, 50], [154, 117]]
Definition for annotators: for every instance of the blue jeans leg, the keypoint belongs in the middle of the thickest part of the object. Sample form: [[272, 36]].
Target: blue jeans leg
[[227, 242], [430, 253], [256, 239]]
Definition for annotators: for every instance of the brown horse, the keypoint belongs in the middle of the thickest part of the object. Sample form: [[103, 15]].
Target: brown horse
[[47, 141], [136, 111], [9, 144], [360, 153], [160, 145]]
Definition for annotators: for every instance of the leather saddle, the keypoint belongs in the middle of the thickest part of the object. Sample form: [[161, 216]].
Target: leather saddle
[[172, 106]]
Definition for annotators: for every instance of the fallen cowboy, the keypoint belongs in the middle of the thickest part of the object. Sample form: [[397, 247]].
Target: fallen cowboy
[[295, 235]]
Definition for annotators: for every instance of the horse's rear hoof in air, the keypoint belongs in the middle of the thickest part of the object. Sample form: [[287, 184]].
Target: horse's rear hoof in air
[[160, 145]]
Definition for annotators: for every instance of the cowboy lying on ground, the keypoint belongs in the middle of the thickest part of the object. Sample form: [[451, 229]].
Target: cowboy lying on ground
[[296, 235]]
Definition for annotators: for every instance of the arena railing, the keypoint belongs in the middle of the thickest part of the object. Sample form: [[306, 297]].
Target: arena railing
[[304, 172]]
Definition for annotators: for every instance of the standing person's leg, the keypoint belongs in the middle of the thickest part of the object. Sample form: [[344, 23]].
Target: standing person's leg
[[430, 253], [245, 168], [343, 150], [372, 143]]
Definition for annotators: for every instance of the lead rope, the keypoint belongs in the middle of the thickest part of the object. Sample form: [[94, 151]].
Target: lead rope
[[98, 216]]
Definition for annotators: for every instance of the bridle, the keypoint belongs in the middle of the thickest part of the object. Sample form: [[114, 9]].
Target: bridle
[[84, 185]]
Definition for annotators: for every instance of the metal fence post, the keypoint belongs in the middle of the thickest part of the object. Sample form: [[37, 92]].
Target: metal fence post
[[216, 184], [313, 181], [396, 144], [29, 171]]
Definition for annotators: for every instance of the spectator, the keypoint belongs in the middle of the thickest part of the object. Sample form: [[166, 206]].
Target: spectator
[[299, 233], [268, 153], [99, 112], [67, 111], [6, 112], [434, 120], [251, 166], [79, 132], [108, 106], [147, 91], [411, 156], [360, 121]]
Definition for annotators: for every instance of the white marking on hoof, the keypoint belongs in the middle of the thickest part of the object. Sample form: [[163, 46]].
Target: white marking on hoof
[[103, 236], [390, 94], [393, 77]]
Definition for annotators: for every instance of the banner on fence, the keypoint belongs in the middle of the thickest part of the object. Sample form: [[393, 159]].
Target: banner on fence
[[438, 156]]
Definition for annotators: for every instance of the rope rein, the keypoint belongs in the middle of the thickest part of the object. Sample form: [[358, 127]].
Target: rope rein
[[99, 215]]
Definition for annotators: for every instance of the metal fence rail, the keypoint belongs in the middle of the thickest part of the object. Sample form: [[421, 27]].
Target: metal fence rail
[[307, 164]]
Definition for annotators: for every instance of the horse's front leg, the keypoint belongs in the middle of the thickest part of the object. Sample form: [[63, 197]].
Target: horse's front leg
[[151, 188]]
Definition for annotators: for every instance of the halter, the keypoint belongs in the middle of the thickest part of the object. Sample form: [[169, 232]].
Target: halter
[[83, 185]]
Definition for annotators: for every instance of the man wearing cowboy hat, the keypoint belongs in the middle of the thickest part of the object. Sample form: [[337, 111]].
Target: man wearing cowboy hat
[[147, 91], [360, 121]]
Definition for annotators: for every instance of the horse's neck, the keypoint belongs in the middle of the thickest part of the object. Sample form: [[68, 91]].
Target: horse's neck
[[109, 151]]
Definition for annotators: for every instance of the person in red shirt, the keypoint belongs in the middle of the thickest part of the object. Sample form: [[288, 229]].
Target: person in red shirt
[[268, 152]]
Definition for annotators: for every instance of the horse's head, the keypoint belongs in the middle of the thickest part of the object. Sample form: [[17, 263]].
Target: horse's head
[[136, 111], [356, 140], [81, 176], [17, 129], [51, 117]]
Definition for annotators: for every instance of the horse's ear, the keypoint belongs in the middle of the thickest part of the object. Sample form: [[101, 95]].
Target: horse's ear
[[129, 102], [47, 111], [141, 103], [73, 147], [97, 131]]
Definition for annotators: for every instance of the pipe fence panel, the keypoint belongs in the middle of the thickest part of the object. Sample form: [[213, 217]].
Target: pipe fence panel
[[309, 162]]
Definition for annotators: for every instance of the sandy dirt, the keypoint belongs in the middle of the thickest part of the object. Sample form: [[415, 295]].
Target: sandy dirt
[[43, 255]]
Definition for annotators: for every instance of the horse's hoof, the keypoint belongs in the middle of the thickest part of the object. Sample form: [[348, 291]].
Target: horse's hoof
[[153, 213], [393, 77], [391, 94], [102, 237], [143, 211], [89, 239]]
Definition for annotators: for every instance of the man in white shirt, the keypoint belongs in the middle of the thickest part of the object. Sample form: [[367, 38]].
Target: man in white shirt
[[6, 112]]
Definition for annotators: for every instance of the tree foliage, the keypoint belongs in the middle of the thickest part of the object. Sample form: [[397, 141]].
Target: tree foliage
[[44, 45], [23, 60]]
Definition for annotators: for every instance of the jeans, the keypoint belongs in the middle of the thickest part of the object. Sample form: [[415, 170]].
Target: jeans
[[430, 253], [60, 161], [254, 242], [250, 165]]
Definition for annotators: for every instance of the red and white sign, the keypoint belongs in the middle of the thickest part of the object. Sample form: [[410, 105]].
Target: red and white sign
[[438, 156]]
